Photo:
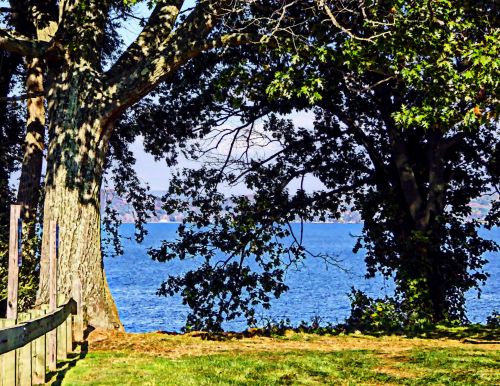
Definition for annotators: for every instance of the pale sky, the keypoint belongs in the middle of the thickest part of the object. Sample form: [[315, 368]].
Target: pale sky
[[157, 173]]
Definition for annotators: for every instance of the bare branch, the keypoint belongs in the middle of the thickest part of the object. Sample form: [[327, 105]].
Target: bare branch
[[322, 5]]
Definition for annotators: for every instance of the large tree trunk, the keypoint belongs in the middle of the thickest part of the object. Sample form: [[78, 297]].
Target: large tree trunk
[[79, 126], [78, 143], [79, 249]]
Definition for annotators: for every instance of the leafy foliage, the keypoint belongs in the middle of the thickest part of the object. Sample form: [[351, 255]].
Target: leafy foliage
[[372, 315], [10, 154], [405, 132], [240, 249], [493, 320]]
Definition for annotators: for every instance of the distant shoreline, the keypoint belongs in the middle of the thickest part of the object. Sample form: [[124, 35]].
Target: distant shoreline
[[293, 222], [125, 212]]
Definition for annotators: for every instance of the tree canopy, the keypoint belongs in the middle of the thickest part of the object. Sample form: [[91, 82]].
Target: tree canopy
[[88, 83], [406, 105], [406, 131]]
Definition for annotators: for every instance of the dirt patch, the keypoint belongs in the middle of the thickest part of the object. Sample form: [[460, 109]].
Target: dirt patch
[[395, 372], [194, 344]]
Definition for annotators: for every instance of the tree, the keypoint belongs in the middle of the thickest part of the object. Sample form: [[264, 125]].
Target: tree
[[85, 98], [10, 153], [406, 107], [33, 131]]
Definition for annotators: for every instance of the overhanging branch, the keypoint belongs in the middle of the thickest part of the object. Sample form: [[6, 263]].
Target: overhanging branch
[[160, 59], [13, 42], [22, 97], [132, 88]]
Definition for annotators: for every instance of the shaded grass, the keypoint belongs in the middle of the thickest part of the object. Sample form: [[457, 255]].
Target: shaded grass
[[473, 332], [295, 359]]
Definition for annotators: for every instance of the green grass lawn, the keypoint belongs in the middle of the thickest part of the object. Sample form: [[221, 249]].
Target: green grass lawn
[[297, 359]]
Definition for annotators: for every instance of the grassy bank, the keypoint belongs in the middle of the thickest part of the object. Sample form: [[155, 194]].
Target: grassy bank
[[302, 359]]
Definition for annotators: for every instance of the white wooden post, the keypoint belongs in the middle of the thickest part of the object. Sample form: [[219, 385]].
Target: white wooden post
[[14, 249], [24, 369], [76, 294]]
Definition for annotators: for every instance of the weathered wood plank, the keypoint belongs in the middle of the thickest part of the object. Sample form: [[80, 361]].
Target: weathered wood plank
[[13, 275], [69, 334], [52, 335], [17, 336], [38, 355], [8, 375], [61, 341], [61, 334], [78, 327], [24, 357]]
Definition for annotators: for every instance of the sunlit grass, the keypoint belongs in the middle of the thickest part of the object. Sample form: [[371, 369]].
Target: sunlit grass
[[296, 359]]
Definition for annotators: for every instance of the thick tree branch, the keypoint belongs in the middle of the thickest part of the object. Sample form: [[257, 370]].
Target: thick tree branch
[[153, 39], [187, 41], [22, 45], [22, 97], [130, 90], [367, 143], [452, 141]]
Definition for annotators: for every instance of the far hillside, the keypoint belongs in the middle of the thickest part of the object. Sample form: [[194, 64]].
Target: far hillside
[[479, 209]]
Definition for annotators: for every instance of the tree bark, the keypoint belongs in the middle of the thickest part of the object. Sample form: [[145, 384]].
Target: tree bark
[[31, 170], [78, 138], [78, 141], [79, 252], [8, 135], [74, 171]]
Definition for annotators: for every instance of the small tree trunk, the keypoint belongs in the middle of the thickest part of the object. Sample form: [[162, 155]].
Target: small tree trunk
[[28, 194], [9, 137], [31, 171], [29, 184]]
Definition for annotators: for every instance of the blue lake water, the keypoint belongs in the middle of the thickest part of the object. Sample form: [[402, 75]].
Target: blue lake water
[[316, 289]]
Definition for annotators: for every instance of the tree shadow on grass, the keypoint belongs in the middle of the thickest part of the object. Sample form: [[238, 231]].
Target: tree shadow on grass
[[55, 378], [474, 334]]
